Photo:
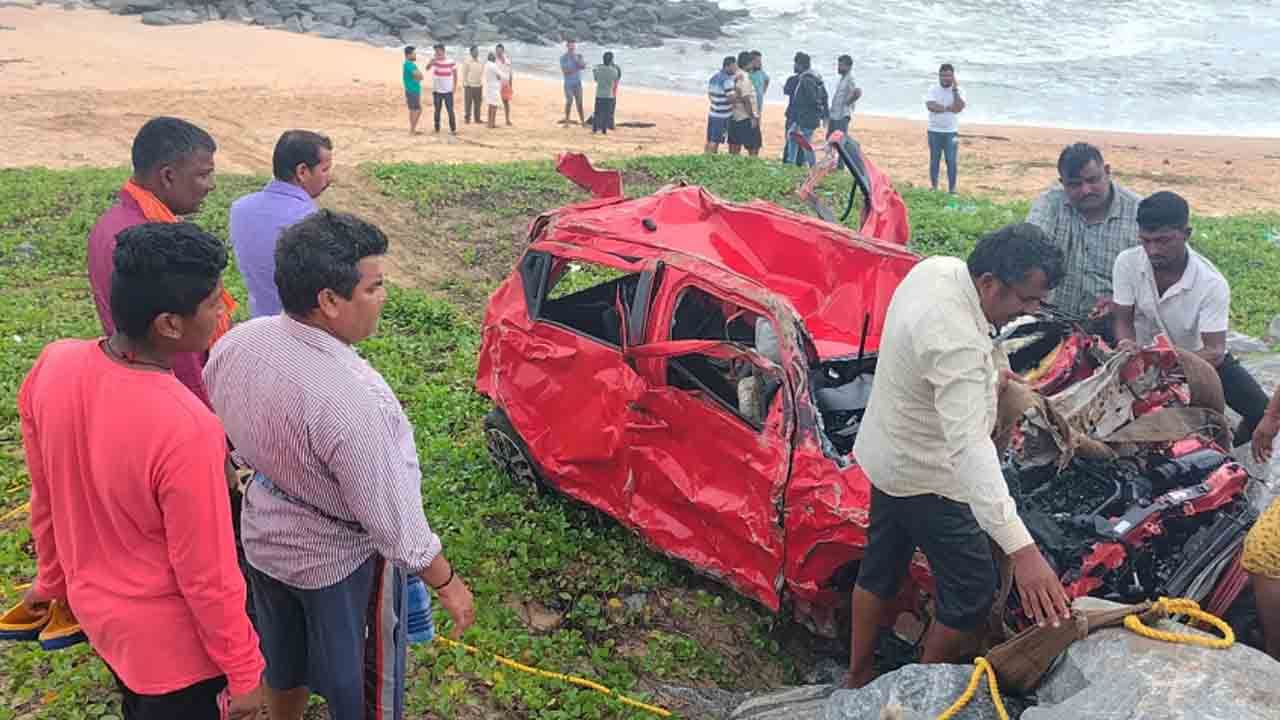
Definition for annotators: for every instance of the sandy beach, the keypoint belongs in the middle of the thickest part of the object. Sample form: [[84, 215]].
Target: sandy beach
[[76, 85]]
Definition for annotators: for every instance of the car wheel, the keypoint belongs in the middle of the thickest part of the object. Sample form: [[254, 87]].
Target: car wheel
[[508, 450]]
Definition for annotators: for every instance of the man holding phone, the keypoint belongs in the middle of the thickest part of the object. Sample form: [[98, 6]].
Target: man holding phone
[[571, 66], [944, 102]]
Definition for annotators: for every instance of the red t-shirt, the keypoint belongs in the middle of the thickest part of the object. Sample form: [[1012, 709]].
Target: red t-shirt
[[131, 519], [102, 246]]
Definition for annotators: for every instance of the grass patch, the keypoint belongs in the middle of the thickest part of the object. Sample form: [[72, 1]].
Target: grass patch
[[557, 585]]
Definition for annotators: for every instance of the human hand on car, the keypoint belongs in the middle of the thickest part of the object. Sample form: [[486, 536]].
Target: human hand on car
[[1043, 598], [1127, 345]]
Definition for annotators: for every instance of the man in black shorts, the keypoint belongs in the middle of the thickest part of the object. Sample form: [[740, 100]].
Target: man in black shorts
[[744, 125], [926, 446]]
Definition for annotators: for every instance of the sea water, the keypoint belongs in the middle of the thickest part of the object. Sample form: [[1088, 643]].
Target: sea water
[[1166, 66]]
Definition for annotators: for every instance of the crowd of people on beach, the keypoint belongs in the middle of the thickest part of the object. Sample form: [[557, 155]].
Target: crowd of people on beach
[[736, 93], [298, 584]]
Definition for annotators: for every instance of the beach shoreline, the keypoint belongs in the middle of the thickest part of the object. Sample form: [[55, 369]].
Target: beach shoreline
[[76, 85]]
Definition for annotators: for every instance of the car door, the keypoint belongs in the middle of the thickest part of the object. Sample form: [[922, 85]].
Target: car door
[[563, 381], [707, 439]]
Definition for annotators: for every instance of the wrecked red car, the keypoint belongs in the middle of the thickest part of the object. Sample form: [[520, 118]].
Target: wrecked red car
[[698, 369]]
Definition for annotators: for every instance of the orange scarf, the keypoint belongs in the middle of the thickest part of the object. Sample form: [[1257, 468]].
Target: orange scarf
[[156, 211]]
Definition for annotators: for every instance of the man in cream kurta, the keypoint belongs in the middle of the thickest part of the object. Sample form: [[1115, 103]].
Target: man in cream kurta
[[926, 445]]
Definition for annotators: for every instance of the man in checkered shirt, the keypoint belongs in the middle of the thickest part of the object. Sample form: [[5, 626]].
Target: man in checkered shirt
[[1092, 220]]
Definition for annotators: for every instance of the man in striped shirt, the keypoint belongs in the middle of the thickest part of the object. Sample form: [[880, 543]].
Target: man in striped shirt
[[719, 89], [333, 518], [444, 78]]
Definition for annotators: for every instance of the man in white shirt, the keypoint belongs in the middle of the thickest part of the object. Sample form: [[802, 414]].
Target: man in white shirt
[[944, 102], [1165, 287], [926, 445]]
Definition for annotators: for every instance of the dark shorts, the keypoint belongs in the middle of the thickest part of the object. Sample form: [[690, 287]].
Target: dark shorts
[[717, 128], [958, 551], [741, 132], [842, 125], [344, 642], [201, 701], [413, 100]]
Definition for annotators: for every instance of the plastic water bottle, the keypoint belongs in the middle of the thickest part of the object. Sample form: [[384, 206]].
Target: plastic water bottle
[[420, 624]]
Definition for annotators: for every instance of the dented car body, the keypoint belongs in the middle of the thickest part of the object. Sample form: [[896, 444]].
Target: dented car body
[[663, 359], [698, 369]]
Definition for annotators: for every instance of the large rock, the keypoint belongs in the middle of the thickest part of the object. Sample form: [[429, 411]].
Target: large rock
[[922, 692], [1118, 675], [1242, 344], [135, 7], [807, 702], [916, 692], [171, 17]]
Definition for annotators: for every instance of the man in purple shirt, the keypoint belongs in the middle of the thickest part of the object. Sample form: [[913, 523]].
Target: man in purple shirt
[[302, 165], [173, 166]]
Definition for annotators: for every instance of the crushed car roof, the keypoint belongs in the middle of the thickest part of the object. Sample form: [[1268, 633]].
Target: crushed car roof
[[834, 278]]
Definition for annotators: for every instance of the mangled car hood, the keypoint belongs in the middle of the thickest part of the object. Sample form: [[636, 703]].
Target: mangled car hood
[[834, 278]]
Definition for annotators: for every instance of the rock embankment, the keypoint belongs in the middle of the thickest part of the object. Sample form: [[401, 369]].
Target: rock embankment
[[630, 23]]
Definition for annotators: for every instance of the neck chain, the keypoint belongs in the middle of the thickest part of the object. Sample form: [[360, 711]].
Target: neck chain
[[130, 357]]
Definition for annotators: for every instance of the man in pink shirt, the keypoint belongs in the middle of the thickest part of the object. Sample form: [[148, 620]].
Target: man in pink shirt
[[130, 511], [172, 164]]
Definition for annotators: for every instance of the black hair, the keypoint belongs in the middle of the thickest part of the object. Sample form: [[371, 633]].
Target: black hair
[[500, 45], [1074, 157], [166, 140], [802, 59], [757, 54], [162, 268], [728, 60], [295, 147], [320, 253], [744, 58], [1013, 251], [846, 59], [438, 46], [946, 67], [409, 50], [475, 48], [1163, 209], [608, 58]]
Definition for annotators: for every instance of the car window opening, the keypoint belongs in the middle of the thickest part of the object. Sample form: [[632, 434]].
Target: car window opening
[[841, 389], [583, 297], [737, 385]]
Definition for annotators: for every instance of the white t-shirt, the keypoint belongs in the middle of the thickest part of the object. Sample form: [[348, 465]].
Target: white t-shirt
[[943, 121], [1198, 303]]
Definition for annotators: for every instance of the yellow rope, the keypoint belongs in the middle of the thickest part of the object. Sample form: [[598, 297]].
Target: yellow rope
[[1170, 606], [1191, 609], [22, 509], [982, 668], [571, 679]]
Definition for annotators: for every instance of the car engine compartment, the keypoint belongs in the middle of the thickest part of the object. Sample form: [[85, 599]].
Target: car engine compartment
[[1134, 529]]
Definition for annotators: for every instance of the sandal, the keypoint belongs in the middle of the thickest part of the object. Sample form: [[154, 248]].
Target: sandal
[[63, 629]]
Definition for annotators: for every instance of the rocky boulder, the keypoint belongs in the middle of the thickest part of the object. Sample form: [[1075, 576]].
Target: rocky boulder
[[171, 17], [1116, 675], [622, 23]]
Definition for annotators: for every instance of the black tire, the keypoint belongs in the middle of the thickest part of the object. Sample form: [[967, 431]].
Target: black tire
[[509, 452]]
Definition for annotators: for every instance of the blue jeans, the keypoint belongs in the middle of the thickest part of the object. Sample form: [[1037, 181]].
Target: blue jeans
[[793, 153], [943, 143]]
